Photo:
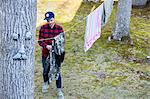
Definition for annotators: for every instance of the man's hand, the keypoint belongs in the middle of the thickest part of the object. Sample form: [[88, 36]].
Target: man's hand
[[49, 47]]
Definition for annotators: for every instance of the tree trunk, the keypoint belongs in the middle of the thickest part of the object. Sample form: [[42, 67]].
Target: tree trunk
[[17, 33], [122, 24], [139, 2]]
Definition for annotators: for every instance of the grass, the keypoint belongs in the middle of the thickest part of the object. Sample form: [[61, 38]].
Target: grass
[[111, 70]]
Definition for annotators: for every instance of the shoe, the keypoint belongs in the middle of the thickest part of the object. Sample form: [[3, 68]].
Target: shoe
[[109, 38], [60, 93], [45, 87]]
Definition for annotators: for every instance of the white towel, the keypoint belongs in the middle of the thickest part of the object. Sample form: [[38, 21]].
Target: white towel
[[93, 27]]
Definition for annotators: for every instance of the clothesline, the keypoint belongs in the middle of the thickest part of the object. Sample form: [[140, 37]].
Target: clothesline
[[64, 31], [95, 21]]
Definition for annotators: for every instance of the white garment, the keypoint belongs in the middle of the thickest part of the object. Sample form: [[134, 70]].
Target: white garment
[[93, 27]]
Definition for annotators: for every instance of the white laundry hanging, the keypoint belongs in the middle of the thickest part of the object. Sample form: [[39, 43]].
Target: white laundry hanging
[[93, 27]]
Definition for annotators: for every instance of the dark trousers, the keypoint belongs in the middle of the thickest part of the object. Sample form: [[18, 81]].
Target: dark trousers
[[45, 73]]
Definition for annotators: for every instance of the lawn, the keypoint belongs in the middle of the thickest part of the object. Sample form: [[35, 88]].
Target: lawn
[[109, 70]]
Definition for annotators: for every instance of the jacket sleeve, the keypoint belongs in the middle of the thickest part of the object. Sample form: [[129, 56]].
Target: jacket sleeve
[[40, 39], [61, 29]]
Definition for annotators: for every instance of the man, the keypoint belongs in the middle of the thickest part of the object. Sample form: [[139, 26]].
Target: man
[[49, 30]]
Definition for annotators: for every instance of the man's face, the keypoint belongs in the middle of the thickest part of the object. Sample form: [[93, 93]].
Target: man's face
[[51, 21]]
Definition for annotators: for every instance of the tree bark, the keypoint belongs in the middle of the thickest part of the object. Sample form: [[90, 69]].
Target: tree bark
[[122, 24], [139, 2], [17, 33]]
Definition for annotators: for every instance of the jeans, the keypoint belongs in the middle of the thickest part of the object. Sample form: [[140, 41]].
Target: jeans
[[45, 73]]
